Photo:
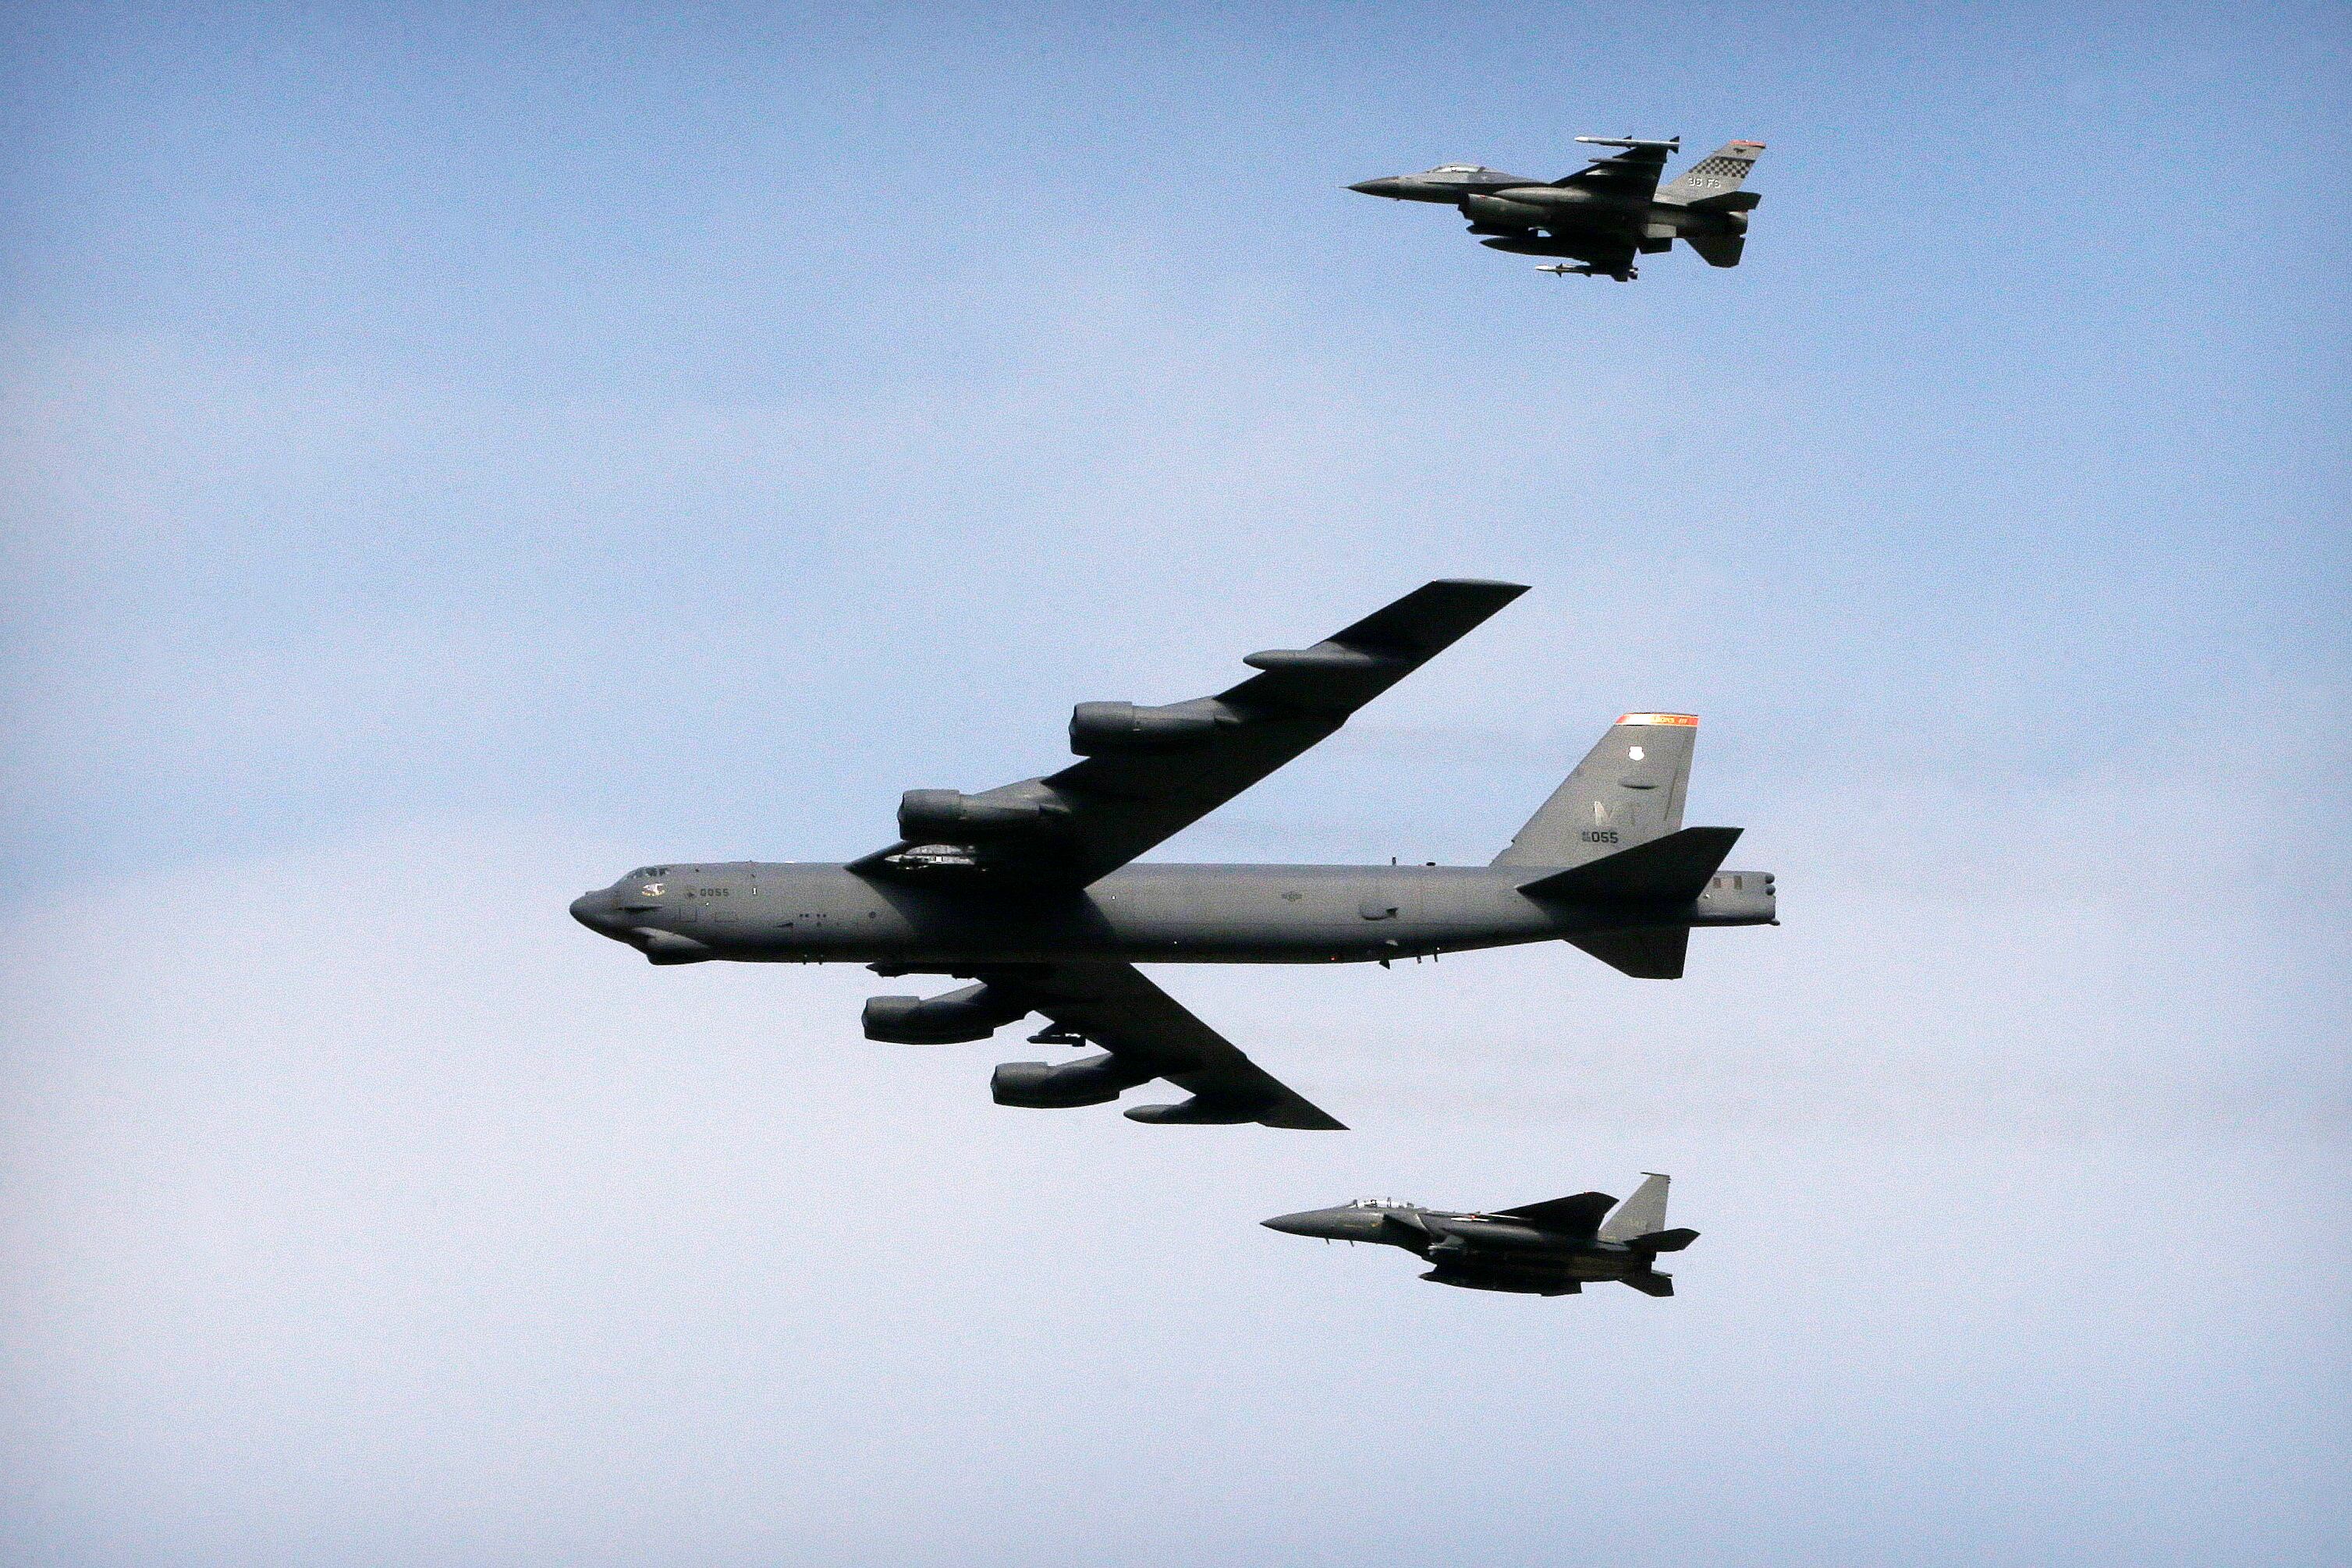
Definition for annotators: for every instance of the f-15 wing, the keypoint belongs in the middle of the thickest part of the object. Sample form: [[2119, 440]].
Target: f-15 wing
[[1147, 1033], [1148, 772], [1631, 174]]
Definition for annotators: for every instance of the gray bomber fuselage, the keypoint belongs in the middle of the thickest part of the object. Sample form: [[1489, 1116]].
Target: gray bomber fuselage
[[797, 912]]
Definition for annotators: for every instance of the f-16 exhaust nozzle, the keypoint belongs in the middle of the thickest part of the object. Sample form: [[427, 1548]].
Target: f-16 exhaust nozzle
[[1091, 1081], [973, 1012]]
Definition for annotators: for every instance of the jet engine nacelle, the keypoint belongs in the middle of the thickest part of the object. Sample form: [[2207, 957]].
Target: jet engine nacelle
[[927, 813], [1099, 727], [1090, 1080], [973, 1012]]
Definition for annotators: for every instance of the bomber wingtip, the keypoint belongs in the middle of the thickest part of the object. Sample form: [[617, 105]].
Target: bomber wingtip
[[1493, 584]]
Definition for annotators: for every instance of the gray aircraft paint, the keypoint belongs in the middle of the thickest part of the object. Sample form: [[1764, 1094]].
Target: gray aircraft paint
[[765, 912], [1605, 214], [1029, 891], [1552, 1248]]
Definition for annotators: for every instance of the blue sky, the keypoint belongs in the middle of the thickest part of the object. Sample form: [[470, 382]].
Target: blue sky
[[450, 458]]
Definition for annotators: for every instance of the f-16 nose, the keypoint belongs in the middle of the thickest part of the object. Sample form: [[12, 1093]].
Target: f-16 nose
[[1386, 186]]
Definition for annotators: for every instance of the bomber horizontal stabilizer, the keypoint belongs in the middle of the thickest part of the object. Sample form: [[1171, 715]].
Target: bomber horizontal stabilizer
[[1669, 871], [1657, 954]]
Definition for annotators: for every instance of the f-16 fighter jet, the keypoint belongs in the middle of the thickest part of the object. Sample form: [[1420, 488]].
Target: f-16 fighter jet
[[1606, 212], [1029, 889], [1543, 1249]]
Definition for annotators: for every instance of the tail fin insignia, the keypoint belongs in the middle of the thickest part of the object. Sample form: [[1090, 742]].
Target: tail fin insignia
[[1719, 172]]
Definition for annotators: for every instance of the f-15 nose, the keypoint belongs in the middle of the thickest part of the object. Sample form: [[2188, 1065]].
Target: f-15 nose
[[1307, 1222], [1388, 185]]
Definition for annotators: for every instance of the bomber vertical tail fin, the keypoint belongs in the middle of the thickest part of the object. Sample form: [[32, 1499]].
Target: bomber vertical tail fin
[[1628, 790]]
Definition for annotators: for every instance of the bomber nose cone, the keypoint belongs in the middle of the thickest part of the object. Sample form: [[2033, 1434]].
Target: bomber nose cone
[[592, 911]]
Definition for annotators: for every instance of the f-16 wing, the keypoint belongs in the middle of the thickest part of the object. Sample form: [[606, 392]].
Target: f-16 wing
[[1631, 174], [1148, 772], [1147, 1033]]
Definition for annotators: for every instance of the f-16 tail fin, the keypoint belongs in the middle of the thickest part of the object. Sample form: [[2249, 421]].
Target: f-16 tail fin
[[1717, 174], [1640, 1214], [1628, 790]]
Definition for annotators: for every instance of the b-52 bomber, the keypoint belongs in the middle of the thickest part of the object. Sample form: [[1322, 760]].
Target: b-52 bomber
[[1030, 890], [1543, 1249], [1605, 214]]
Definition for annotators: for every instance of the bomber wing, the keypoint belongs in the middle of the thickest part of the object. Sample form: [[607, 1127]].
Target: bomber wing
[[1147, 773], [1154, 1035]]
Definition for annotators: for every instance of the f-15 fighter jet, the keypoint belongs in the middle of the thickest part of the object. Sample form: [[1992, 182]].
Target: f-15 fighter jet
[[1030, 889], [1606, 212], [1544, 1250]]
